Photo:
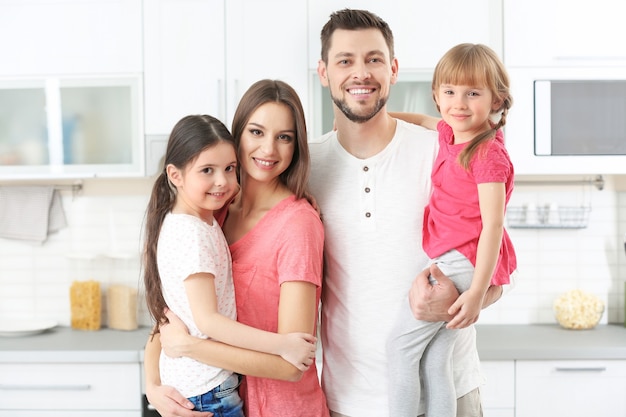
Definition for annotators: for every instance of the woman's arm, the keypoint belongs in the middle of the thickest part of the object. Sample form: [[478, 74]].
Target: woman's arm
[[424, 120], [297, 309], [168, 401], [177, 342], [297, 348], [491, 198]]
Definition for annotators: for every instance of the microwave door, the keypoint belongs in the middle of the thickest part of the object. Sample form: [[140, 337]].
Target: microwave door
[[543, 120]]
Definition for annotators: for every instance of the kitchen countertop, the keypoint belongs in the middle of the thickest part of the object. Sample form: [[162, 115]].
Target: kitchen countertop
[[64, 344], [550, 342], [495, 342]]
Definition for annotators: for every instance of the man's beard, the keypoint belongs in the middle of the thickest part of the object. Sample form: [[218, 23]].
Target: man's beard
[[345, 109]]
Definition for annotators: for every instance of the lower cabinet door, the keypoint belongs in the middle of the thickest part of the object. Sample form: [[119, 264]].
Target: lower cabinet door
[[498, 390], [570, 388], [70, 389]]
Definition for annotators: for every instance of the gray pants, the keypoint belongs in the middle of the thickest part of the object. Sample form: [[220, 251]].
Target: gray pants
[[424, 349]]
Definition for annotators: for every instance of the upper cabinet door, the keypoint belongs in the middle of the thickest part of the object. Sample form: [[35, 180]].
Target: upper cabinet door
[[423, 31], [70, 37], [184, 61], [560, 33], [202, 55], [265, 39]]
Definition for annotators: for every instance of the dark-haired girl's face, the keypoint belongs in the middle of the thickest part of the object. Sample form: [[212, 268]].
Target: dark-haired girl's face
[[267, 143], [207, 183]]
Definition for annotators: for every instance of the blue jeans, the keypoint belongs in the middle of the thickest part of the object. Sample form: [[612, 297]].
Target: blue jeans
[[223, 400]]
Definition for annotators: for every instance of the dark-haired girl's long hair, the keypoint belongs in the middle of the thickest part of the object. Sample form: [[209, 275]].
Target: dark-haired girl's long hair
[[190, 136]]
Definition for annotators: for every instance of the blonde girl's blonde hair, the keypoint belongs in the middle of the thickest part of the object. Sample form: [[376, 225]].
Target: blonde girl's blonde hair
[[475, 65]]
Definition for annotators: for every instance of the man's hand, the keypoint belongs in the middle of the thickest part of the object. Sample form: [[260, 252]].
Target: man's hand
[[431, 302]]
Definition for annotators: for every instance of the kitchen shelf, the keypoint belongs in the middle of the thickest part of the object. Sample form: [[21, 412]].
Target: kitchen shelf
[[572, 217]]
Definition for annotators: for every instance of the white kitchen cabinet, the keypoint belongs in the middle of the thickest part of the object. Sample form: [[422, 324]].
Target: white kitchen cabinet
[[423, 30], [570, 388], [498, 391], [71, 89], [70, 37], [558, 33], [200, 56], [70, 389], [71, 127]]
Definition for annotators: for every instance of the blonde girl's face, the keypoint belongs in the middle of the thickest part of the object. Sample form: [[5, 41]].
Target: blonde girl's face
[[267, 143], [466, 109], [207, 183]]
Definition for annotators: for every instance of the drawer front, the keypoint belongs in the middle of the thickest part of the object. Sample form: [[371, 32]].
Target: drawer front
[[570, 388], [67, 386]]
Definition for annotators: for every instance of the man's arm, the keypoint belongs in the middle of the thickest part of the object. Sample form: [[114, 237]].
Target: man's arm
[[432, 302]]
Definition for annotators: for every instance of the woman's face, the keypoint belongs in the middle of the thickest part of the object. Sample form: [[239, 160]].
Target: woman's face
[[268, 142]]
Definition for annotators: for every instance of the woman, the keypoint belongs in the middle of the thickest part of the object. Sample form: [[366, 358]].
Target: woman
[[276, 241]]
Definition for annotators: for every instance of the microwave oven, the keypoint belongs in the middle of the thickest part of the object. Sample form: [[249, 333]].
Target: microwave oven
[[580, 117], [567, 120]]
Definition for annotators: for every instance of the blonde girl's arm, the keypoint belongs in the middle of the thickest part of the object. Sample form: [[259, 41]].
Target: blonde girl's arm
[[466, 308], [298, 348], [424, 120]]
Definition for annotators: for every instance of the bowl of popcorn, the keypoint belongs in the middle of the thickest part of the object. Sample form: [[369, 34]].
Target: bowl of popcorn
[[577, 309]]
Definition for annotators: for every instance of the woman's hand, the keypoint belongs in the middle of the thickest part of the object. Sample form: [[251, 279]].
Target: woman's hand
[[170, 403], [175, 337]]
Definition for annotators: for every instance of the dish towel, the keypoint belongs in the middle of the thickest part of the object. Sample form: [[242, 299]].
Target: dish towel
[[30, 213]]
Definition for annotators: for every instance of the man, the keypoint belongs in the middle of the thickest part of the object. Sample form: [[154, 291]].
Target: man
[[371, 179]]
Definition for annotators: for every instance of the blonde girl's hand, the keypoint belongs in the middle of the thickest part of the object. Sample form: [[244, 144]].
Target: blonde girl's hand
[[299, 350], [465, 309]]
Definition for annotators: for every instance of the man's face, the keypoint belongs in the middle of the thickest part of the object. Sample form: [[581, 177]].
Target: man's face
[[359, 73]]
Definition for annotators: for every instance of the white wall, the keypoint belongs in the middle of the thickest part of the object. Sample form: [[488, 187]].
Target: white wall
[[105, 222], [35, 280]]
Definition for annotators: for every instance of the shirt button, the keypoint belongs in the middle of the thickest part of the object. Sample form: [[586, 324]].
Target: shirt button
[[368, 214], [367, 189], [365, 168]]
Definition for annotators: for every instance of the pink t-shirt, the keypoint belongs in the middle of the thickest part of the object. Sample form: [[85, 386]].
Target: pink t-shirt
[[285, 245], [452, 218]]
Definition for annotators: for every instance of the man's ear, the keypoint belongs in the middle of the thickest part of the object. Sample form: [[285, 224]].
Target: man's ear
[[394, 71], [322, 73]]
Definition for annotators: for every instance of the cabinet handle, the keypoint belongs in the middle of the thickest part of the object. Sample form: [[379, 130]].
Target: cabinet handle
[[221, 100], [582, 369], [17, 387]]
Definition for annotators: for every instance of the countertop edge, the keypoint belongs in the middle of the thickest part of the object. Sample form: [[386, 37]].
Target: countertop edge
[[550, 342]]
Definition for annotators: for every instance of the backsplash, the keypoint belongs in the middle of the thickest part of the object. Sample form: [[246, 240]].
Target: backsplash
[[102, 242]]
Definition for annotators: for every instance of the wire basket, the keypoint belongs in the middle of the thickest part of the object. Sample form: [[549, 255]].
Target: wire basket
[[573, 217]]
